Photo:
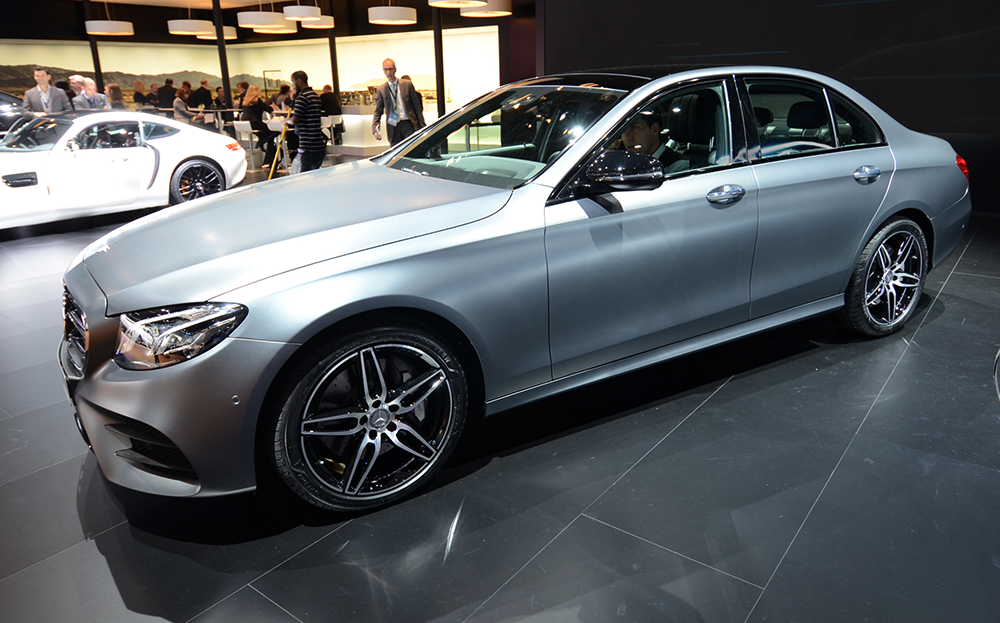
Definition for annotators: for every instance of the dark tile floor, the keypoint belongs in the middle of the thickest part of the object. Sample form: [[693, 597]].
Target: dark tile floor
[[801, 475]]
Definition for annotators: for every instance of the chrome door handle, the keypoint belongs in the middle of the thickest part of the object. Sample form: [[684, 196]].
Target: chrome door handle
[[867, 174], [726, 195]]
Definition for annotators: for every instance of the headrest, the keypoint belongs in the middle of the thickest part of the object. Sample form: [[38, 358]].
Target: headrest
[[808, 115], [764, 116]]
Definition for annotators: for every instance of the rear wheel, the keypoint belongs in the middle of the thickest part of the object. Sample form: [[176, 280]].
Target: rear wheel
[[195, 178], [371, 418], [888, 279]]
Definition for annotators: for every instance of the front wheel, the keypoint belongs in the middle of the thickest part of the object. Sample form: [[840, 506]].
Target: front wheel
[[372, 418], [888, 279], [195, 178]]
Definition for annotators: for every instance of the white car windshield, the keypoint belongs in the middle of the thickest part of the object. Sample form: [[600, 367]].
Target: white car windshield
[[37, 135], [509, 136]]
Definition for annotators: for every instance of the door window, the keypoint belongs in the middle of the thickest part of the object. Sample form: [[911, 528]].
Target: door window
[[110, 135], [853, 126], [685, 129], [792, 117]]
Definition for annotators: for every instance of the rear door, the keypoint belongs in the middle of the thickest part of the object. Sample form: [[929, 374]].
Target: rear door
[[823, 169]]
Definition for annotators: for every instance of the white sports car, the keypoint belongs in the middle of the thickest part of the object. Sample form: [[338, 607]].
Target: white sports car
[[84, 163]]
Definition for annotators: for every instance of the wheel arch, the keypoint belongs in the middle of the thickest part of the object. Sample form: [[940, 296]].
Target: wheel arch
[[453, 336]]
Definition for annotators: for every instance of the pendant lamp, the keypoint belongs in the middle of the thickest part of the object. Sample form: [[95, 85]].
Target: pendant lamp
[[109, 27], [325, 21], [493, 8], [228, 33], [302, 13], [392, 15], [261, 19], [455, 4], [190, 27], [288, 27]]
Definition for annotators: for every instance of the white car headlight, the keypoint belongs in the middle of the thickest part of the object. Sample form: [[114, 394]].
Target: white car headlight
[[157, 338]]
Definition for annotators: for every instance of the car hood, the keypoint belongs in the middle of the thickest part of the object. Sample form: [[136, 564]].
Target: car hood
[[199, 251]]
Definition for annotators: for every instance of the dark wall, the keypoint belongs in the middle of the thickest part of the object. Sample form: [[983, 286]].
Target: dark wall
[[933, 65]]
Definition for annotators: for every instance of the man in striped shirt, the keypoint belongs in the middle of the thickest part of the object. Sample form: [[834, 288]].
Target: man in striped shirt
[[306, 118]]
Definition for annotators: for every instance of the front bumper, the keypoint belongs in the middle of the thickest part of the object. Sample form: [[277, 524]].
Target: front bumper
[[185, 430]]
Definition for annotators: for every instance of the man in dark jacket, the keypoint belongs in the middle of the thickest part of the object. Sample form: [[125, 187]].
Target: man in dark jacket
[[201, 97]]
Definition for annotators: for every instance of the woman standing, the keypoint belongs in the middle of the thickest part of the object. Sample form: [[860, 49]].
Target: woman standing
[[139, 95], [114, 94], [181, 111], [253, 111]]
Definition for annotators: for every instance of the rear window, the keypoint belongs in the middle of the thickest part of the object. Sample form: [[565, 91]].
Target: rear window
[[152, 131]]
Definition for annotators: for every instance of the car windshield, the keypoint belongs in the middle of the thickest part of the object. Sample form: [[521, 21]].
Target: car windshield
[[507, 137], [38, 135]]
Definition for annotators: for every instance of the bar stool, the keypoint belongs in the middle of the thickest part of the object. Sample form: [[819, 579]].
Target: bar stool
[[243, 130]]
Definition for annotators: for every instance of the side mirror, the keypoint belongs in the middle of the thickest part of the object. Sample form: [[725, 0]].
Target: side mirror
[[72, 145], [625, 170]]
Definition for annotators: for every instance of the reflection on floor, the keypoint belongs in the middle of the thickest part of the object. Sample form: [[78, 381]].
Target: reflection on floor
[[801, 475]]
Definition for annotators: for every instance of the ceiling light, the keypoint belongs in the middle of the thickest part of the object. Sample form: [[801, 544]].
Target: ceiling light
[[392, 15], [325, 21], [493, 8], [228, 33], [455, 4], [190, 27], [261, 19], [288, 27], [108, 27], [302, 13]]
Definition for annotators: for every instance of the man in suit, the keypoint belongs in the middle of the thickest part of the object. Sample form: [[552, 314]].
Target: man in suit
[[401, 103], [43, 99], [166, 95], [90, 98], [201, 97]]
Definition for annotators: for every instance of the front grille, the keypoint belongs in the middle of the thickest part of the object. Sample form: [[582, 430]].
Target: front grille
[[75, 331]]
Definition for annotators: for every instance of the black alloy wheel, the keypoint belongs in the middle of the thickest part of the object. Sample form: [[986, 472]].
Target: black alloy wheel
[[193, 179], [888, 279], [373, 417]]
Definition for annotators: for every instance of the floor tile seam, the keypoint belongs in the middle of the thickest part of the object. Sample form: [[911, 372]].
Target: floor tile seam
[[861, 425], [62, 551], [230, 595], [856, 434], [522, 568], [304, 549], [964, 273], [657, 444], [40, 469], [676, 553]]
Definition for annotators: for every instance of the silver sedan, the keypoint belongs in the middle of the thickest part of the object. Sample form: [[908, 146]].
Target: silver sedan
[[340, 327]]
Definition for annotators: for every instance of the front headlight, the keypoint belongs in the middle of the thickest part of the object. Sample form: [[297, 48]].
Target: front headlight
[[157, 338]]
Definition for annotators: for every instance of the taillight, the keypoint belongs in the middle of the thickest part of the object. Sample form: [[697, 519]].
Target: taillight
[[963, 165], [236, 147]]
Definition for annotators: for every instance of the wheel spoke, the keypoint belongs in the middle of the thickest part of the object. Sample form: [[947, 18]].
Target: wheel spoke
[[353, 483], [891, 301], [407, 399], [318, 425], [873, 297], [907, 280], [403, 444], [368, 359]]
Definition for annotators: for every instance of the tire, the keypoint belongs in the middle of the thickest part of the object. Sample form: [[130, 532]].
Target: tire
[[345, 449], [888, 280], [195, 178]]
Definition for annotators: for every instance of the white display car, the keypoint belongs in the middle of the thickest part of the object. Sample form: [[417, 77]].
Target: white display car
[[84, 163]]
